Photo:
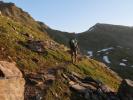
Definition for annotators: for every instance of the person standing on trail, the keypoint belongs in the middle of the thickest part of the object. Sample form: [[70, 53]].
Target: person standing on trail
[[73, 49]]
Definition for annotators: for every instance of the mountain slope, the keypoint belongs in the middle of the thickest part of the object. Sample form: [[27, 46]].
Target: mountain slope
[[32, 61], [101, 37], [110, 44], [38, 56]]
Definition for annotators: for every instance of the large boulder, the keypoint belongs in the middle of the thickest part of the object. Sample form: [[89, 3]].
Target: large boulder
[[11, 82], [9, 69], [126, 90]]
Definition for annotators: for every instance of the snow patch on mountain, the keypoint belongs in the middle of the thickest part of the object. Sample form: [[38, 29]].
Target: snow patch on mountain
[[131, 66], [90, 53], [124, 60], [106, 59], [106, 49], [122, 64]]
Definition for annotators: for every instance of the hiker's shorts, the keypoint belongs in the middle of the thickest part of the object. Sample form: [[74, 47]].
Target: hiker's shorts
[[73, 51]]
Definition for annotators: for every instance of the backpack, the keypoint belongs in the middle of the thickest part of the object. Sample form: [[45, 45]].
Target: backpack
[[73, 43]]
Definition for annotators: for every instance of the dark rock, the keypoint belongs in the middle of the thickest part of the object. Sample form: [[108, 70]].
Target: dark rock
[[88, 79], [34, 76], [37, 46], [106, 89], [1, 74], [25, 34], [87, 96], [92, 81], [126, 90], [32, 81], [35, 60], [94, 97]]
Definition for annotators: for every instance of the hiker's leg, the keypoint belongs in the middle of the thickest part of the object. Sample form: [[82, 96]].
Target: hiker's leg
[[75, 56], [72, 56]]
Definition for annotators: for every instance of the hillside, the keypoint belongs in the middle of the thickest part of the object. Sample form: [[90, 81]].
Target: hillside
[[46, 64], [110, 44]]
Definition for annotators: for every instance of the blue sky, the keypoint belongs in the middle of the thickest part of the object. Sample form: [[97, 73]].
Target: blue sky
[[78, 15]]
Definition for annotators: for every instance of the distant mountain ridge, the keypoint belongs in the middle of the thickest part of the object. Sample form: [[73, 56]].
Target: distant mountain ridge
[[109, 30], [108, 26]]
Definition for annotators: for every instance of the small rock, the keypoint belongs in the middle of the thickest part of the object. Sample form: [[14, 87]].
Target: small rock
[[77, 87], [91, 80], [49, 77], [106, 89], [87, 96], [35, 60]]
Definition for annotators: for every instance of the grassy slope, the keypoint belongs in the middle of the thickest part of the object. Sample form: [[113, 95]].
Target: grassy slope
[[13, 50]]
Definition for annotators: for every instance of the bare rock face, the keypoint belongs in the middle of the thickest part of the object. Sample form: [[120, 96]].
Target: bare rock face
[[126, 90], [11, 82]]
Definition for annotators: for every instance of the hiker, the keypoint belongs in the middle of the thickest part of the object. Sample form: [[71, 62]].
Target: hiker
[[73, 49]]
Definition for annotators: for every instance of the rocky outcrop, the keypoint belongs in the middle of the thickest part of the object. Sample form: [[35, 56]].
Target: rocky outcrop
[[89, 88], [11, 82], [126, 90], [41, 46], [38, 83], [37, 46]]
